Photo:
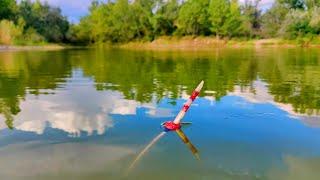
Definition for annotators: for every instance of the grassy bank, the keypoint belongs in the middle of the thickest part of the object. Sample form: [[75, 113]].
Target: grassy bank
[[182, 43], [33, 47], [206, 43]]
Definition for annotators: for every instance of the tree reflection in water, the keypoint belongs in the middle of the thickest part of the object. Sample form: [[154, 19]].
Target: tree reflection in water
[[291, 75]]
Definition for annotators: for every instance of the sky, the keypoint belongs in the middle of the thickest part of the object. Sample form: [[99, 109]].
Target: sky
[[75, 9]]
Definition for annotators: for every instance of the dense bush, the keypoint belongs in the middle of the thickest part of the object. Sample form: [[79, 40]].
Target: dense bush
[[31, 37], [46, 20], [193, 18], [315, 20], [9, 32], [7, 9], [31, 23]]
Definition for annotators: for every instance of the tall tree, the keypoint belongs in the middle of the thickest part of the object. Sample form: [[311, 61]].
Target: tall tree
[[8, 9], [165, 17], [232, 24], [251, 18], [98, 24], [273, 18], [142, 16], [194, 18], [219, 10], [47, 21], [121, 20]]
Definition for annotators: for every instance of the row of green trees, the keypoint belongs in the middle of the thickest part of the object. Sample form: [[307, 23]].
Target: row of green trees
[[123, 20], [292, 18], [30, 22]]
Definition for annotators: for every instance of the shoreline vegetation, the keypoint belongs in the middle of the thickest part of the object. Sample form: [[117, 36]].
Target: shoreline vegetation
[[32, 47], [207, 43], [179, 43], [161, 24], [153, 24]]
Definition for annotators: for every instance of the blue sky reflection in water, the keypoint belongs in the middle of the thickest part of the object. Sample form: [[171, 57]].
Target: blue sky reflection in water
[[80, 114]]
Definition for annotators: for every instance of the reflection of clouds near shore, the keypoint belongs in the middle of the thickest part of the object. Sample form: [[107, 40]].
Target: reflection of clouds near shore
[[261, 95], [79, 109]]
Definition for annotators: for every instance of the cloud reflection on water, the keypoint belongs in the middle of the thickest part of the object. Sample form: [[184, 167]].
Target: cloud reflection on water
[[71, 112], [261, 95], [79, 109]]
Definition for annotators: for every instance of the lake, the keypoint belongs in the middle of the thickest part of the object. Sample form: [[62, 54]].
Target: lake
[[88, 113]]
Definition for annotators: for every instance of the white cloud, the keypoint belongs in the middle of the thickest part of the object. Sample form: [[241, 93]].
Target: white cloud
[[79, 109], [67, 112], [125, 107], [160, 112], [262, 95]]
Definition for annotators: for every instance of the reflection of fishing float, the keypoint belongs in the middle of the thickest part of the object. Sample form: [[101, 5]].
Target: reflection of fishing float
[[175, 125]]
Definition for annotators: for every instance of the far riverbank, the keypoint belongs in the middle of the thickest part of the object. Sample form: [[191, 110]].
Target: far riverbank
[[39, 47], [182, 43], [207, 43]]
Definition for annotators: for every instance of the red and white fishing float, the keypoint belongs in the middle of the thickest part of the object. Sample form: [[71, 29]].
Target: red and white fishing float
[[176, 123]]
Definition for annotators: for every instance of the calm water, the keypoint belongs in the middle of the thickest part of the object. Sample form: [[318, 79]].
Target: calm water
[[86, 114]]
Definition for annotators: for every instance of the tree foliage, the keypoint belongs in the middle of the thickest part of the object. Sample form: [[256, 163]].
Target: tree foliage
[[9, 32], [124, 20], [219, 10], [46, 20], [273, 18], [251, 18], [119, 21], [165, 17], [194, 18], [35, 22], [7, 9]]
